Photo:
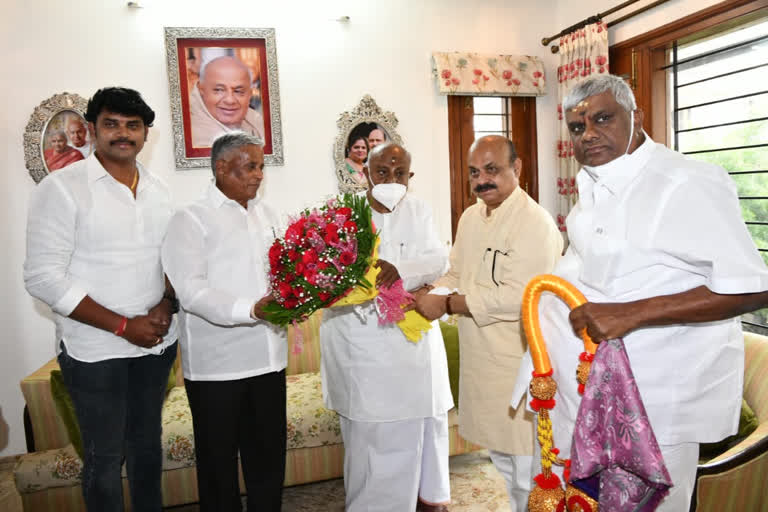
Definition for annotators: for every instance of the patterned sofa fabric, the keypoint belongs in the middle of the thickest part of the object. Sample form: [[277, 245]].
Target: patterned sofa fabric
[[49, 478]]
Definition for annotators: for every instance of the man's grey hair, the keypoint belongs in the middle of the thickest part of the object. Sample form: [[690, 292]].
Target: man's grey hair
[[378, 150], [229, 141], [205, 65], [598, 85]]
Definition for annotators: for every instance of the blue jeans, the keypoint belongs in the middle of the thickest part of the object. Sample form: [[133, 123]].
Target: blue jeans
[[118, 403]]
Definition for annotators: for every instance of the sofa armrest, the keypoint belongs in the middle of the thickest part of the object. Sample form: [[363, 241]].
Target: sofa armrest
[[48, 430]]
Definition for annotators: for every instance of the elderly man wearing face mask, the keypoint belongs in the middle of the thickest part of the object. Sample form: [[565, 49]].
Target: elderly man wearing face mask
[[392, 395], [660, 251], [502, 241]]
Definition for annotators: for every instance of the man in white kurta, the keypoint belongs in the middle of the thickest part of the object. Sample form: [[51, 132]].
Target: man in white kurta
[[501, 243], [660, 251], [234, 361], [392, 395]]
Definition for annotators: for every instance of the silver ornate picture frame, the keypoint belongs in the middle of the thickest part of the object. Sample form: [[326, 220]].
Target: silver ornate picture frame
[[51, 115], [364, 118], [202, 109]]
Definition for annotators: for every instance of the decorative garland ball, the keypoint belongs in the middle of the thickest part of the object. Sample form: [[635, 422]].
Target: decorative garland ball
[[582, 372], [579, 501], [545, 500], [543, 388]]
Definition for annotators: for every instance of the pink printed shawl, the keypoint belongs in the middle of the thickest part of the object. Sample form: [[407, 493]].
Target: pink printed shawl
[[614, 455]]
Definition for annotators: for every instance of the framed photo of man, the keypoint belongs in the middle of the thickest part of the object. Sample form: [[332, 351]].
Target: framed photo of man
[[222, 80]]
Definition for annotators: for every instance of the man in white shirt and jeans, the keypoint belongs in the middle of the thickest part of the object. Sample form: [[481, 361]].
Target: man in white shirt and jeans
[[93, 255], [234, 361], [660, 251]]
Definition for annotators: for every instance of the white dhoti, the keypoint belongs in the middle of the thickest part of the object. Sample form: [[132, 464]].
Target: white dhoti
[[390, 465]]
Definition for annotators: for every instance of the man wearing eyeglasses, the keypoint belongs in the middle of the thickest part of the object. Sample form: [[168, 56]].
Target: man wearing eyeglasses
[[502, 241]]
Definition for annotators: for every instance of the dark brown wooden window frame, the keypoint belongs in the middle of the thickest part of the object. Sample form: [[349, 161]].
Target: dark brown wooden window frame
[[642, 58], [521, 123]]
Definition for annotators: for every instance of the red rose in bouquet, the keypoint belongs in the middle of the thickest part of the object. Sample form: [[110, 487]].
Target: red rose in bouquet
[[323, 255]]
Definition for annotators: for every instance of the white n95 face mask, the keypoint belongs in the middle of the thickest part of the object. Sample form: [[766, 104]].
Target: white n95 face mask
[[389, 194]]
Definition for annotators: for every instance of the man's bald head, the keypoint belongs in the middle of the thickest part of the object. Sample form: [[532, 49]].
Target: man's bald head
[[225, 86], [388, 149], [76, 131], [494, 169], [499, 144]]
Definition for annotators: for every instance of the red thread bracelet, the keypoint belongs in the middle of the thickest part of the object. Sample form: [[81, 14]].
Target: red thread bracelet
[[121, 329]]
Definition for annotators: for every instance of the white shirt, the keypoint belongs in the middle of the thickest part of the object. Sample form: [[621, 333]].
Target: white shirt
[[659, 224], [85, 149], [372, 372], [215, 254], [87, 235]]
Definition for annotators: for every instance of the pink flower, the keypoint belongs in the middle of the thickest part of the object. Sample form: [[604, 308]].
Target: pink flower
[[455, 81], [477, 72], [447, 82], [535, 83], [507, 74], [446, 73], [516, 81], [509, 82], [601, 60], [475, 81], [486, 78], [537, 74]]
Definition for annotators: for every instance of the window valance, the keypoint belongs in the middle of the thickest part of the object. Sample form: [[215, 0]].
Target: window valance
[[477, 74]]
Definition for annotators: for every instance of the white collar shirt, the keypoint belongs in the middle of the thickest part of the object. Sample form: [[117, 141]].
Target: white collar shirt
[[215, 254], [87, 235], [660, 224]]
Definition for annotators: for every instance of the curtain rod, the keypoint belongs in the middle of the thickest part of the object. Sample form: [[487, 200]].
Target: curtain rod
[[599, 16]]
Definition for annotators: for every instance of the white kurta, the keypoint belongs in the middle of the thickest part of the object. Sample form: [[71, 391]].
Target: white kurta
[[372, 372], [492, 260], [658, 224]]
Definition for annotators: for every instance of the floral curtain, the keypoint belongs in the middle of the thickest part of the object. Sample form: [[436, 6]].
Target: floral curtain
[[583, 53], [477, 74]]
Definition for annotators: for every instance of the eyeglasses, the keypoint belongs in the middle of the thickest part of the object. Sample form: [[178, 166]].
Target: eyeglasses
[[496, 252]]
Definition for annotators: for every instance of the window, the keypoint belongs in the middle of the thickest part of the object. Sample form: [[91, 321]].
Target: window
[[491, 116], [471, 117], [718, 90], [701, 81]]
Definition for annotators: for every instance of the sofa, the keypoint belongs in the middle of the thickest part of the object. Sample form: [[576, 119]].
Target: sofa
[[48, 477], [736, 479]]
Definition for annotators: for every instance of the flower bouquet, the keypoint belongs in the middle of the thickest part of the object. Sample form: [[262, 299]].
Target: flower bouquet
[[327, 258]]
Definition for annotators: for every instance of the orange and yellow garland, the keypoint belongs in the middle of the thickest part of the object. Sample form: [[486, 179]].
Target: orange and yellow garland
[[548, 494]]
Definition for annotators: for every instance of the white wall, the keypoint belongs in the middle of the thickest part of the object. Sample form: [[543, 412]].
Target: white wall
[[325, 68]]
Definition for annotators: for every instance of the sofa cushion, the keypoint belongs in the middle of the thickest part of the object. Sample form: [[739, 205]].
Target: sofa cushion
[[178, 437], [748, 423], [450, 332], [309, 423], [52, 468], [66, 410]]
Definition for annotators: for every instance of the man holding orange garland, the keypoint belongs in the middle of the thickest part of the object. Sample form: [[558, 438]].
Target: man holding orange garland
[[660, 251]]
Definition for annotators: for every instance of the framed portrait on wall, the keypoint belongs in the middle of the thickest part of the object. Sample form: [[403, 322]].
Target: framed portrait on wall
[[56, 135], [222, 80]]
